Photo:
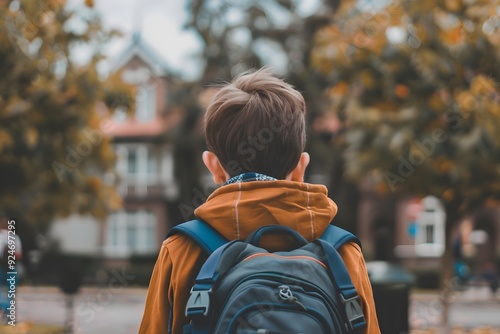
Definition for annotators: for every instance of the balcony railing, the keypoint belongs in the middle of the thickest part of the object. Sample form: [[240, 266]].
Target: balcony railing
[[147, 186]]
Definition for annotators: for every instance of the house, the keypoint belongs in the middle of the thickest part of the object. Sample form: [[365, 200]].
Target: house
[[143, 145], [145, 164]]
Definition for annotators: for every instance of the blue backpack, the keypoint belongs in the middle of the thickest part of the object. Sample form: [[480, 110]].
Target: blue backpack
[[244, 289]]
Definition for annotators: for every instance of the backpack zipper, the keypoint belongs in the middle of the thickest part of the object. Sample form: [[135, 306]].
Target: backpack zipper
[[292, 257]]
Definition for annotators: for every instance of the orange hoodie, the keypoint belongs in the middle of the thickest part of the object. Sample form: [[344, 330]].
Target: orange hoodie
[[235, 210]]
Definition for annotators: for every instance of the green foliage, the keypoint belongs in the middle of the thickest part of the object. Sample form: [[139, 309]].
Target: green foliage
[[416, 85], [53, 148]]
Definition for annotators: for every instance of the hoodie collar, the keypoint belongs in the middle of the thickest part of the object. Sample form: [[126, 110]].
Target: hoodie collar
[[238, 208]]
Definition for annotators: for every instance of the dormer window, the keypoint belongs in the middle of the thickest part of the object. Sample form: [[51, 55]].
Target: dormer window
[[145, 102]]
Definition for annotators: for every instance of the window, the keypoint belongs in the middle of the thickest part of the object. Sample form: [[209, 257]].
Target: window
[[115, 232], [132, 162], [146, 234], [131, 232], [430, 233], [150, 232], [151, 162], [145, 103], [139, 167]]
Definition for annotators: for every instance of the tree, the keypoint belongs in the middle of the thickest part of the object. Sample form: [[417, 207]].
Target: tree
[[416, 86], [239, 35], [53, 144]]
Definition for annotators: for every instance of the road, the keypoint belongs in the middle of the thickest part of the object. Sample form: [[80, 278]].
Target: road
[[95, 310], [108, 310], [475, 307]]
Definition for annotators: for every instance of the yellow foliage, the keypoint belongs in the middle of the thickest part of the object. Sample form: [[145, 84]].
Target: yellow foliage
[[444, 165], [5, 140], [481, 9], [94, 121], [367, 79], [466, 101], [113, 199], [423, 6], [94, 183], [488, 115], [454, 5], [436, 103], [494, 110], [381, 188], [377, 43], [402, 91], [31, 137], [346, 7], [16, 105], [436, 73], [453, 36], [448, 195], [494, 38], [386, 106], [338, 89], [482, 85], [70, 93], [51, 111]]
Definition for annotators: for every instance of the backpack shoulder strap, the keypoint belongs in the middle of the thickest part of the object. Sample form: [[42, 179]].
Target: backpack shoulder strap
[[337, 236], [331, 240], [202, 233]]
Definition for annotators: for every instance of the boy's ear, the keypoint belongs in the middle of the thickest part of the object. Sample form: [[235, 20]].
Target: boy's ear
[[298, 172], [214, 166]]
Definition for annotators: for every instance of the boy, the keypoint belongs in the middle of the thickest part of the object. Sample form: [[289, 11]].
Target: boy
[[255, 134]]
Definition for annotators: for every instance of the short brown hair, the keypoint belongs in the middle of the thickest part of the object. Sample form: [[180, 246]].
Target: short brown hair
[[256, 123]]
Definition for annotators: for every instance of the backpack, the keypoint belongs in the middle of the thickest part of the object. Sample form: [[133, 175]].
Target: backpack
[[244, 289]]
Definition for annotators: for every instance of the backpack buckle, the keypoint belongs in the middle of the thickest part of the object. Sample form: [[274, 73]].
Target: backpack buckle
[[198, 303], [354, 312]]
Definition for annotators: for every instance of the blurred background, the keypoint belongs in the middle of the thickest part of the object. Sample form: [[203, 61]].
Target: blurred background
[[101, 138]]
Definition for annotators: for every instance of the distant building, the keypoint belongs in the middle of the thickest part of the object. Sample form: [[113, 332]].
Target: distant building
[[145, 168], [402, 228], [145, 163]]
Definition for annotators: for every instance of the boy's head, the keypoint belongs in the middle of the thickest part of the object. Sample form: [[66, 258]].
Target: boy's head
[[256, 123]]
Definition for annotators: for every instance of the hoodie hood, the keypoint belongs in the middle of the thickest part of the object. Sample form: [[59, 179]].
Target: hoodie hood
[[236, 210]]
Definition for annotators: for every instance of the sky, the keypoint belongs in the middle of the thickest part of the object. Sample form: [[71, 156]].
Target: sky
[[160, 23]]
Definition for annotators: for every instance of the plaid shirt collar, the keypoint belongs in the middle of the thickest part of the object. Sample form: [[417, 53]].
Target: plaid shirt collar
[[246, 177]]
